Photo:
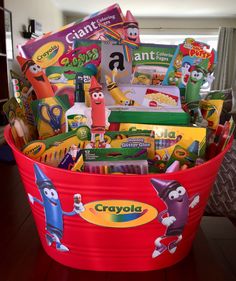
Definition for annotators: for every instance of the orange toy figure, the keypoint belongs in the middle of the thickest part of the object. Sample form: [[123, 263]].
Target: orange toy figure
[[36, 77], [131, 28], [99, 114]]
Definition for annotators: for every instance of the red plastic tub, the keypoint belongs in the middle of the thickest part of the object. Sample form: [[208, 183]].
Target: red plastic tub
[[121, 222]]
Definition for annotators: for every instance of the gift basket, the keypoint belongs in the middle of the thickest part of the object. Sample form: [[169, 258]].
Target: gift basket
[[116, 148]]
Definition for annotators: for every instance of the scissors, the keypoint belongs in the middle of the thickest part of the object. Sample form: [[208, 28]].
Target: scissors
[[51, 115]]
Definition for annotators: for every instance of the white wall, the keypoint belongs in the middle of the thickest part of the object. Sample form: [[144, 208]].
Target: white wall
[[43, 11], [186, 22], [168, 25]]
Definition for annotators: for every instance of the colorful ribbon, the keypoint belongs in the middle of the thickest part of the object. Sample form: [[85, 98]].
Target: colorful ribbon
[[115, 36]]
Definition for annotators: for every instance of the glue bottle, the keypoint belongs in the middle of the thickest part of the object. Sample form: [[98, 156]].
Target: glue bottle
[[76, 115]]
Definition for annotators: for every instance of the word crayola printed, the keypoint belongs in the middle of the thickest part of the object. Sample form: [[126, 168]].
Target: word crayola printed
[[166, 137], [47, 49], [35, 149], [118, 213], [49, 53]]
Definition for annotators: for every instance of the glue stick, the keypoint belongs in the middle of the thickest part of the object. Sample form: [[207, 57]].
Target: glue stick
[[76, 115]]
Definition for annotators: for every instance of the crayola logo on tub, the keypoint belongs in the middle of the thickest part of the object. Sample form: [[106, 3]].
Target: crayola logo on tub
[[118, 213], [49, 53], [34, 150]]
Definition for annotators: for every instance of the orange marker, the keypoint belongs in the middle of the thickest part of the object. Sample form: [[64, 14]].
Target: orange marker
[[36, 77]]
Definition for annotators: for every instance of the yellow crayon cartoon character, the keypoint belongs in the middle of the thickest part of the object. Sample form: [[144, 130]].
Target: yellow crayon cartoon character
[[117, 94]]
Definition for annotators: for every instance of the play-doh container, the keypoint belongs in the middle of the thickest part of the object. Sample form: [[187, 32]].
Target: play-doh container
[[116, 222]]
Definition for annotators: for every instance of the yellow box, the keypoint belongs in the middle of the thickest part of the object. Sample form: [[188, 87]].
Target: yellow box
[[166, 137]]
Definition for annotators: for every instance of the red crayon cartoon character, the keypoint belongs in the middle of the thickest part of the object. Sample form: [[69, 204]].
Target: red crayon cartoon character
[[131, 28], [99, 114], [36, 77]]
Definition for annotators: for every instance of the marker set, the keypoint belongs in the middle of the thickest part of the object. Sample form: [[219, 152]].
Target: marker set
[[116, 161]]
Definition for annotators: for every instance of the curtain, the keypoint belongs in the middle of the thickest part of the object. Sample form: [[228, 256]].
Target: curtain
[[225, 72]]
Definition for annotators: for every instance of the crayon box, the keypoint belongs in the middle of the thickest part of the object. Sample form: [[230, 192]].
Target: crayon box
[[167, 137]]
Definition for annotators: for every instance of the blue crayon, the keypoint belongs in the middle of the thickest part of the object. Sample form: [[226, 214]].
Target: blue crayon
[[194, 147]]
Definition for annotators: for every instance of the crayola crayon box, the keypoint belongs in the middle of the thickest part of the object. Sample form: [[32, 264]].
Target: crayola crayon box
[[167, 137]]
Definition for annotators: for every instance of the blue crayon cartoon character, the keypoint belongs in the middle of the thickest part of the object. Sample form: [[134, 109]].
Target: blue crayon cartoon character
[[52, 208], [175, 216]]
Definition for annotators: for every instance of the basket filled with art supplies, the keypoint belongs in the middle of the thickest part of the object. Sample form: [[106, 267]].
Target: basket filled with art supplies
[[116, 147]]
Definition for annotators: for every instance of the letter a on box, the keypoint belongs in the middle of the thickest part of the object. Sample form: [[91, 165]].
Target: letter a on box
[[113, 57]]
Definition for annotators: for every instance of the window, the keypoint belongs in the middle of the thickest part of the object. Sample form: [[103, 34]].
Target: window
[[170, 38]]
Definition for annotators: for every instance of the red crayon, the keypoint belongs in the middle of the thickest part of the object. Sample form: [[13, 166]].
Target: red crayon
[[98, 113], [131, 28]]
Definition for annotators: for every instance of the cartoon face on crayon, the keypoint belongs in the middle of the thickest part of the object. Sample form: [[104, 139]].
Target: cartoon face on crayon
[[132, 32], [52, 209], [99, 114], [97, 99], [131, 28], [177, 202], [97, 103], [36, 77]]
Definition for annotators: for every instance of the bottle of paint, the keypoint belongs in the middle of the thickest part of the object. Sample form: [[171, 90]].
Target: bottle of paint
[[76, 115]]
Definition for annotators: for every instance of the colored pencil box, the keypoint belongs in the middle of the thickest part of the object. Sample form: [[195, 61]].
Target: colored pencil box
[[51, 151]]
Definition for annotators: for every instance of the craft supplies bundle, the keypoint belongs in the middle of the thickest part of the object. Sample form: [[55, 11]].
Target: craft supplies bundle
[[93, 98]]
